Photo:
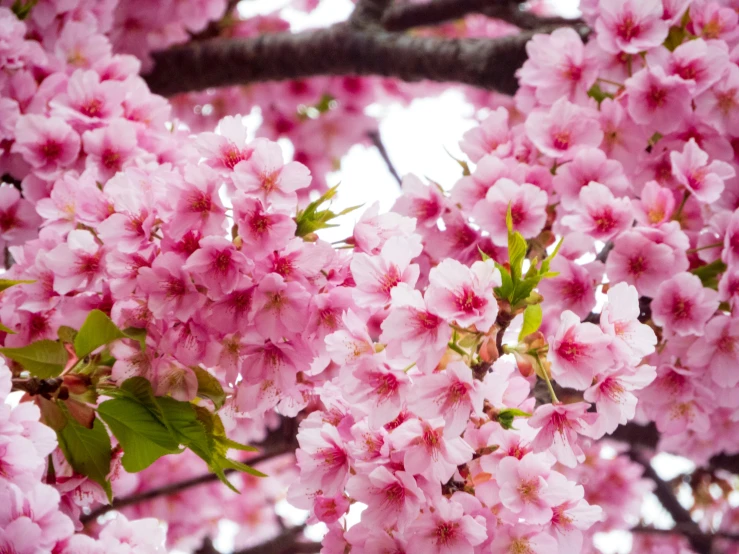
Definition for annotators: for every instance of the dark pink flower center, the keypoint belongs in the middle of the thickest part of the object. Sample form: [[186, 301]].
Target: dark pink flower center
[[628, 29], [200, 202], [51, 150], [469, 302], [446, 533], [561, 140], [682, 308]]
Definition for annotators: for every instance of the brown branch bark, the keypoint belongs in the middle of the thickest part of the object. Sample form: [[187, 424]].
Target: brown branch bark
[[341, 49], [404, 17], [286, 542], [699, 541], [176, 487]]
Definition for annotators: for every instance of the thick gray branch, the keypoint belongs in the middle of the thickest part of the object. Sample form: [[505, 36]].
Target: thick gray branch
[[339, 50]]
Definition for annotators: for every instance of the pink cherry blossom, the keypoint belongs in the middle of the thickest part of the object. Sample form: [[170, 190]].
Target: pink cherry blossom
[[323, 459], [719, 104], [78, 263], [267, 176], [656, 205], [522, 487], [616, 403], [391, 498], [574, 287], [377, 276], [425, 203], [599, 214], [47, 144], [638, 261], [630, 26], [217, 265], [631, 340], [564, 130], [412, 331], [198, 205], [692, 170], [683, 306], [426, 450], [110, 149], [589, 165], [558, 66], [524, 538], [658, 101], [464, 294], [169, 288], [571, 513], [528, 205], [559, 426], [718, 350], [87, 101], [18, 220], [278, 307], [699, 61], [378, 389], [448, 529], [493, 136], [452, 393], [261, 231], [228, 148], [578, 351]]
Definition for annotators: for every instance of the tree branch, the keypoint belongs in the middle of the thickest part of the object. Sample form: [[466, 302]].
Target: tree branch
[[340, 49], [377, 141], [402, 18], [699, 541], [284, 543], [174, 488], [369, 13]]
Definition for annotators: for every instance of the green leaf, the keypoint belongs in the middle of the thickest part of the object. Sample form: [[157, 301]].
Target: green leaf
[[709, 273], [483, 255], [675, 38], [182, 420], [43, 358], [311, 219], [209, 387], [598, 94], [505, 290], [6, 329], [97, 330], [505, 417], [87, 450], [7, 283], [532, 317], [143, 437], [66, 334], [136, 334], [23, 9]]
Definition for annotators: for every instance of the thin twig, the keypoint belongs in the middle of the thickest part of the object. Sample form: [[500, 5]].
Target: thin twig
[[377, 141], [177, 487]]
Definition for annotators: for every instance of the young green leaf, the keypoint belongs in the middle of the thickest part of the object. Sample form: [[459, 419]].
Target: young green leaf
[[708, 274], [136, 334], [209, 387], [87, 450], [43, 358], [97, 330], [143, 437], [7, 283], [6, 329], [505, 417], [66, 334], [532, 317]]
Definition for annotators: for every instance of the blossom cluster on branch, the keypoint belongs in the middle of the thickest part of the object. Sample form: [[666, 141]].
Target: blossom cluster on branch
[[456, 365]]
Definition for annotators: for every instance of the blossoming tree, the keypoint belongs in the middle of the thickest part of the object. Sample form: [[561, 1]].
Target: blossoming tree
[[490, 367]]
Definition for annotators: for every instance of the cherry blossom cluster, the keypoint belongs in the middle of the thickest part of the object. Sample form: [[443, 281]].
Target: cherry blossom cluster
[[462, 414], [33, 516]]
